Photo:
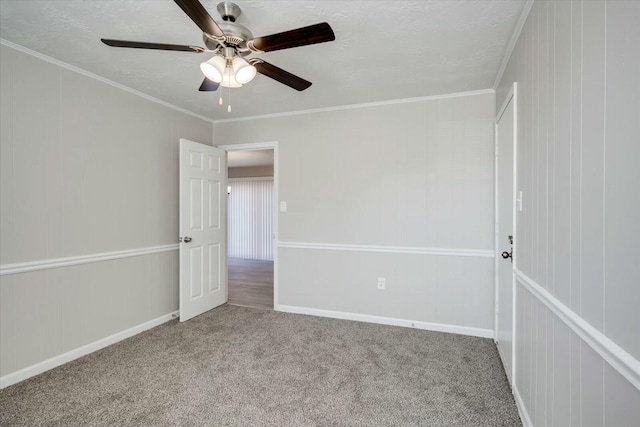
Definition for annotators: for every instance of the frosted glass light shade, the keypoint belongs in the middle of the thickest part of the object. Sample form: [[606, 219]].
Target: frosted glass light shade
[[244, 71], [214, 68], [229, 80]]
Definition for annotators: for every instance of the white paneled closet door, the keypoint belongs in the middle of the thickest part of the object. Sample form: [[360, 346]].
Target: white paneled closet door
[[250, 218], [203, 281], [506, 131]]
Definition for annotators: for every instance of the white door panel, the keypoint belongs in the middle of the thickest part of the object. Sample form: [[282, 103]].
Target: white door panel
[[203, 208], [505, 134]]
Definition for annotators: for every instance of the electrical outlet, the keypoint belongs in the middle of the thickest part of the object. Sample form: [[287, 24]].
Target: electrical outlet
[[382, 283]]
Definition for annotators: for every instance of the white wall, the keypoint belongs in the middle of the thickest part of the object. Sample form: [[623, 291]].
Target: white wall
[[250, 171], [364, 184], [577, 65], [86, 168]]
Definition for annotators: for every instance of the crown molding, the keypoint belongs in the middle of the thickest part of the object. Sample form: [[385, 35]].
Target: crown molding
[[514, 40], [363, 105], [78, 70]]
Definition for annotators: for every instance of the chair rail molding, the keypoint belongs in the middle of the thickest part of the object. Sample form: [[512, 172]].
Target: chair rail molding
[[389, 249], [47, 264], [612, 353]]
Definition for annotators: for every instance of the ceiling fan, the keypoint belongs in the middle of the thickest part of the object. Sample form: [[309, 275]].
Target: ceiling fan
[[230, 42]]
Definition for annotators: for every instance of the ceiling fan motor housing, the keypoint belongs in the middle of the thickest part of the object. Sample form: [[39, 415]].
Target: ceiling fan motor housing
[[235, 34], [229, 11]]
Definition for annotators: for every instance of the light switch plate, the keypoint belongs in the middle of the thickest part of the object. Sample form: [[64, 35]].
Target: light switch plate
[[283, 206], [519, 201]]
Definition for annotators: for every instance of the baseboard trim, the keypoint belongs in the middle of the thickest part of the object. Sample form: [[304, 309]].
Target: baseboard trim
[[67, 357], [46, 264], [613, 354], [389, 249], [506, 371], [437, 327], [522, 409]]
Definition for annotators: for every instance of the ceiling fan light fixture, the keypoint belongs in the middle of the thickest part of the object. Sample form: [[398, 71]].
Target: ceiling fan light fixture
[[214, 68], [244, 72], [229, 79], [230, 41]]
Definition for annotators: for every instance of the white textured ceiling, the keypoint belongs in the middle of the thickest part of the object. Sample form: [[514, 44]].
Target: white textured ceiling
[[383, 50]]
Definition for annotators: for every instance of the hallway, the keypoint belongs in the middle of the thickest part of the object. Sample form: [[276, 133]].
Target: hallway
[[251, 283]]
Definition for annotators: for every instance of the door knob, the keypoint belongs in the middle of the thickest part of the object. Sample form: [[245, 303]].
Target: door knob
[[507, 255], [187, 239]]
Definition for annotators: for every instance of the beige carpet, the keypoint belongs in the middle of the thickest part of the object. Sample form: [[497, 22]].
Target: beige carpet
[[236, 366]]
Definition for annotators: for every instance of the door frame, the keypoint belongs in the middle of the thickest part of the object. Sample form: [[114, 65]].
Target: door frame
[[512, 96], [256, 146]]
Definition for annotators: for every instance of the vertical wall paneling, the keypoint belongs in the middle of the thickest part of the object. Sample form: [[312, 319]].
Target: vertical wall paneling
[[620, 399], [577, 65], [593, 157], [562, 153], [250, 223], [575, 145], [622, 175], [96, 174], [575, 159]]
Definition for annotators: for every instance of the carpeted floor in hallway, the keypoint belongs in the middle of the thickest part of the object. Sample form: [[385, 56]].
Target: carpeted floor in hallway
[[237, 366]]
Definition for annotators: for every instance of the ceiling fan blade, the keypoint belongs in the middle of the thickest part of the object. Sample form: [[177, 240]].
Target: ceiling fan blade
[[280, 75], [198, 14], [318, 33], [158, 46], [208, 86]]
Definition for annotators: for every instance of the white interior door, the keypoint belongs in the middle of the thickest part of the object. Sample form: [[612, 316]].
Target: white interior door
[[505, 127], [203, 229]]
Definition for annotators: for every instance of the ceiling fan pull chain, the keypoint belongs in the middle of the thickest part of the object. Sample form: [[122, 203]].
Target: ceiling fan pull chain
[[229, 106]]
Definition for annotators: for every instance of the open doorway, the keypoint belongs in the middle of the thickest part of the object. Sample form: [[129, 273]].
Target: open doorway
[[251, 220]]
